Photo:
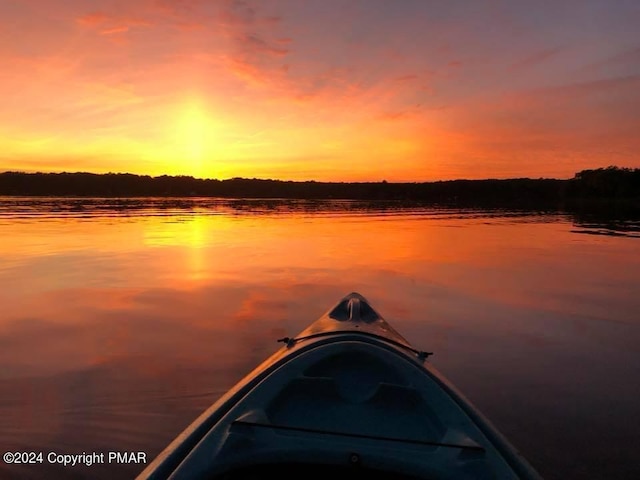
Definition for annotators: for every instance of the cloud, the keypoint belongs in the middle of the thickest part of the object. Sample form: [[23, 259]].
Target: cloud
[[237, 13], [585, 90], [176, 7], [406, 114], [406, 78], [115, 30], [625, 62], [631, 56], [251, 44], [535, 59], [248, 72], [254, 47], [92, 19], [257, 49], [106, 24]]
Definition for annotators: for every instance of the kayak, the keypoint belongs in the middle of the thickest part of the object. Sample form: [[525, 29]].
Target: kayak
[[348, 395]]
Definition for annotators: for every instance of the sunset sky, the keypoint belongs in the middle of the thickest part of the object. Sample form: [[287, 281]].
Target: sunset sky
[[402, 90]]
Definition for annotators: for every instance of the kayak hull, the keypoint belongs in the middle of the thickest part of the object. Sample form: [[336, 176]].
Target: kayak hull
[[351, 393]]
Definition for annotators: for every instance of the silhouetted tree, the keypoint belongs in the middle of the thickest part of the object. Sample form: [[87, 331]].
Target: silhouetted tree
[[603, 185]]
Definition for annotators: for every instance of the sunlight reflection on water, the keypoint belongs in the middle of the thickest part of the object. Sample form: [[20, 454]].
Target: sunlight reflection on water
[[122, 319]]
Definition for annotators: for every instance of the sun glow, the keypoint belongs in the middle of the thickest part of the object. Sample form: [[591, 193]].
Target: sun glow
[[197, 139]]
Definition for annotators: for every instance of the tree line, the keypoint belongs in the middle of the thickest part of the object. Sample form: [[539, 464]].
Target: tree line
[[611, 184]]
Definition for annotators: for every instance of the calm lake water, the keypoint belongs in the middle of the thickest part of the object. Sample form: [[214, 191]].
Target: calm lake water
[[121, 320]]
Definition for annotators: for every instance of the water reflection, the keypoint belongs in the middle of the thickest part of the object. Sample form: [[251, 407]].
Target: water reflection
[[122, 319], [15, 209], [611, 225]]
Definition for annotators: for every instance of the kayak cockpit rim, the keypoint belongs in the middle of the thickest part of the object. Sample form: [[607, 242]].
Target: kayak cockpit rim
[[290, 342]]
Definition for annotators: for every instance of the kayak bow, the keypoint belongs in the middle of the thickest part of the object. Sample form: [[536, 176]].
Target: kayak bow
[[348, 395]]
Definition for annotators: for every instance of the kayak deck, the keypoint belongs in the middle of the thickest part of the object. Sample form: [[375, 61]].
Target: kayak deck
[[348, 392]]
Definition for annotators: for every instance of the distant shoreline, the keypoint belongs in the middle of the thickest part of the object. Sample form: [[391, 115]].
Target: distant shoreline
[[613, 187]]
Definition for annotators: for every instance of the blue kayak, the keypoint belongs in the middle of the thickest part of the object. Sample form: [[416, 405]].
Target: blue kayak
[[347, 396]]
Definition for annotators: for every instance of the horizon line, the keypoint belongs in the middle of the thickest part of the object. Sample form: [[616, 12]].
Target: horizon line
[[64, 172]]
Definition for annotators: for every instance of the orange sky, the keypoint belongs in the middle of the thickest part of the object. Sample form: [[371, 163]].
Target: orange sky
[[404, 90]]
